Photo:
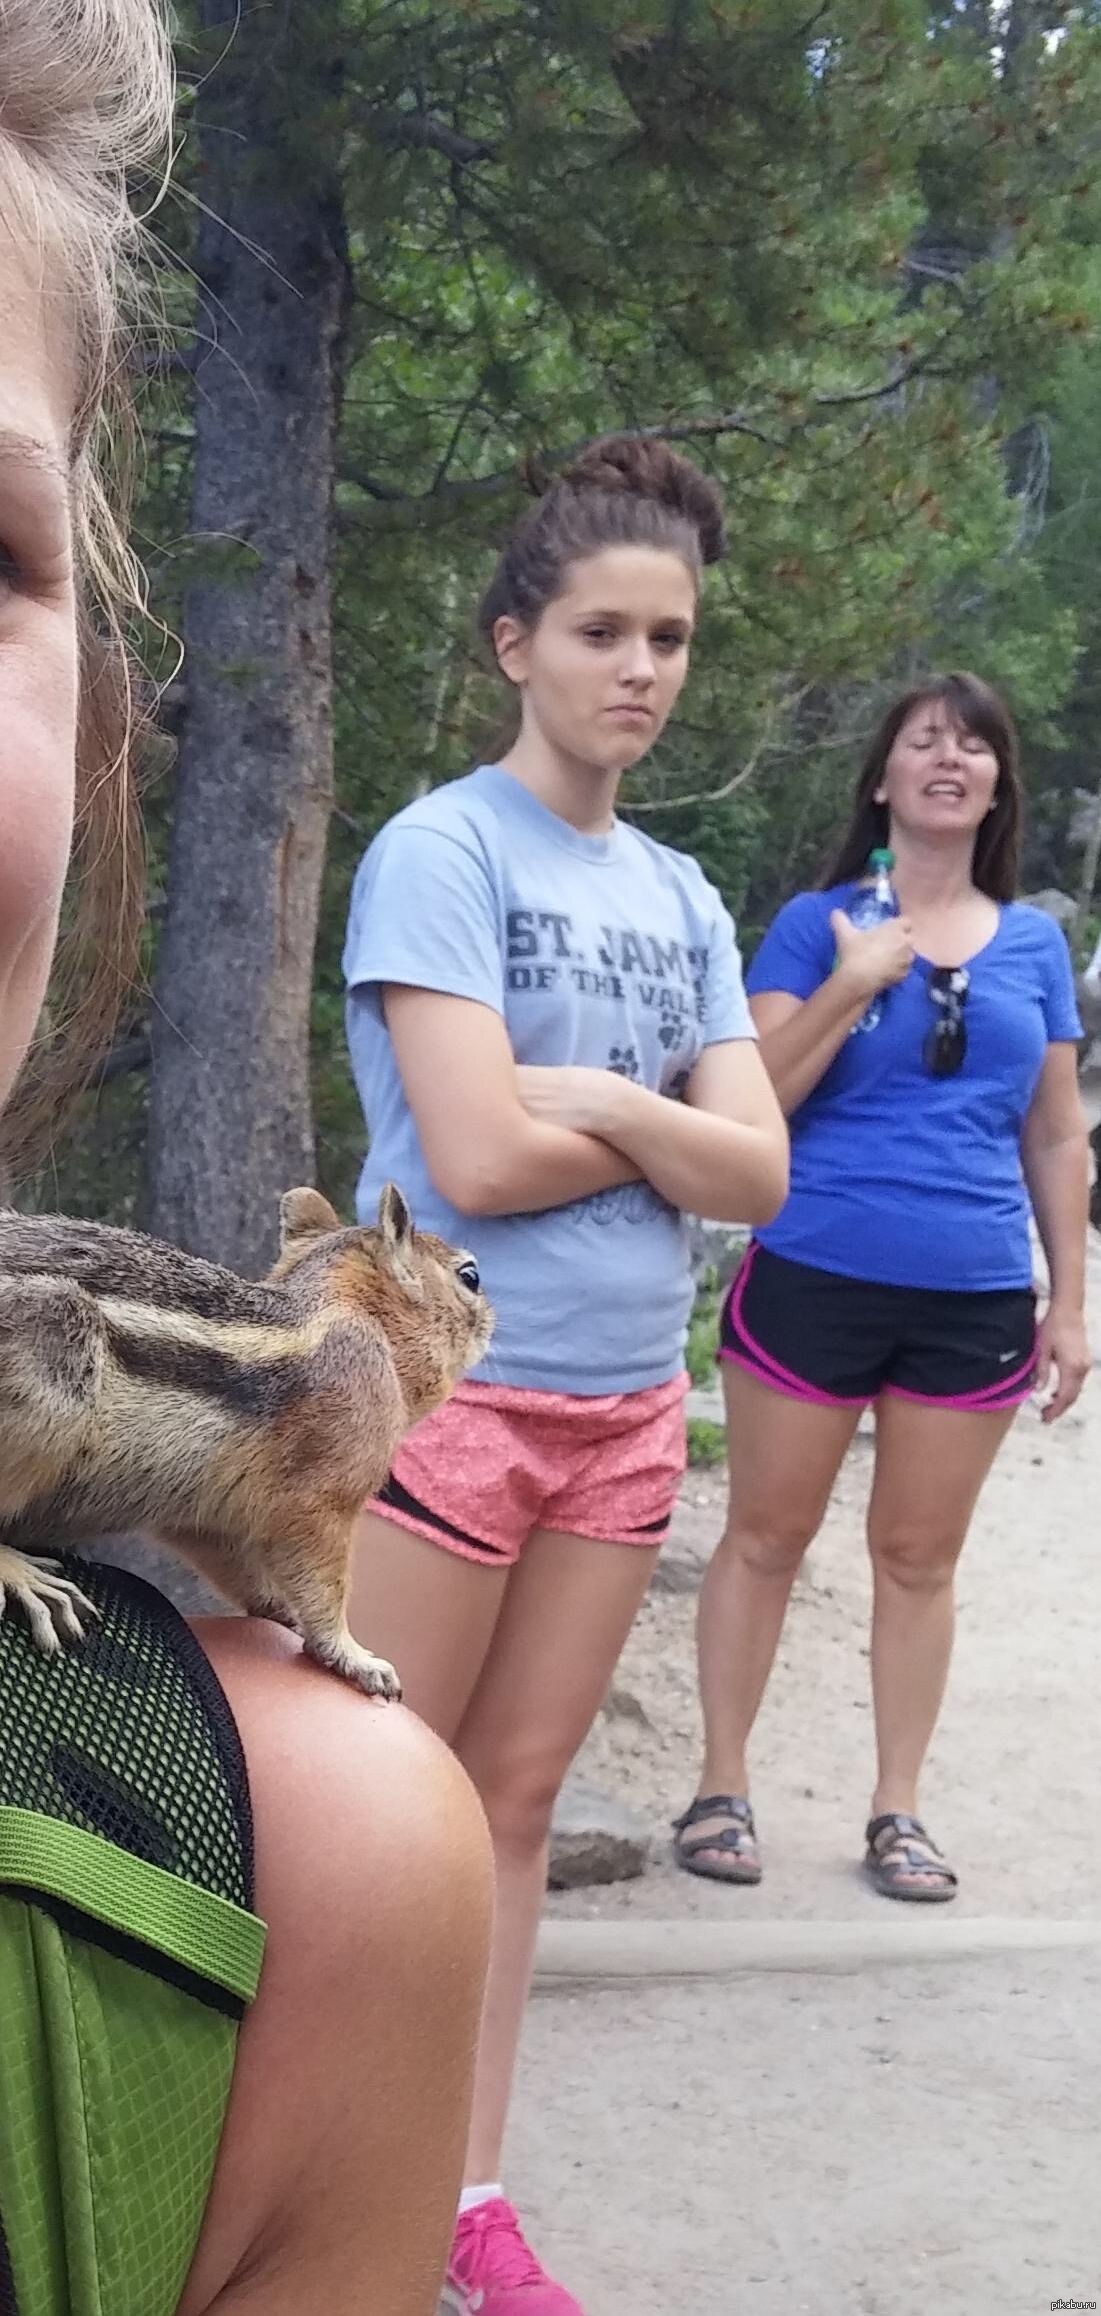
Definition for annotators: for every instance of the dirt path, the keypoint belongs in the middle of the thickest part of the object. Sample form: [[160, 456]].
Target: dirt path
[[906, 2142]]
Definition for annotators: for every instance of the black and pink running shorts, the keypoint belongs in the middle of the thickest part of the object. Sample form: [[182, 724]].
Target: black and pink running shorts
[[820, 1336]]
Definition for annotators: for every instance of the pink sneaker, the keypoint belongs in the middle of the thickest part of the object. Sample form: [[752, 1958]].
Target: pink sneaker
[[493, 2272]]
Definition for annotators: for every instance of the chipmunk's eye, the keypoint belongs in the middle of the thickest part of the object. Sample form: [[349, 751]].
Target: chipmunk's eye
[[468, 1273]]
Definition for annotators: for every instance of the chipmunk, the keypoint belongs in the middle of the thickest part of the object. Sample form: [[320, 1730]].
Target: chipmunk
[[242, 1423]]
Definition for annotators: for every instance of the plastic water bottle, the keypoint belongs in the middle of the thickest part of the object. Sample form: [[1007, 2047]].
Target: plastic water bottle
[[872, 905]]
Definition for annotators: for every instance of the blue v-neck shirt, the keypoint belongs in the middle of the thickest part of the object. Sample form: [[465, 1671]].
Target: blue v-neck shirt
[[897, 1176]]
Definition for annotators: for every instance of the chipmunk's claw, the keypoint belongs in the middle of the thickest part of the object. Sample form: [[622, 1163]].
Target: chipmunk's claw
[[378, 1678], [370, 1673], [55, 1608]]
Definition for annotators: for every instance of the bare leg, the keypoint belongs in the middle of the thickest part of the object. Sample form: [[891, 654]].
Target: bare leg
[[569, 1606], [784, 1457], [931, 1463], [338, 2174], [429, 1609]]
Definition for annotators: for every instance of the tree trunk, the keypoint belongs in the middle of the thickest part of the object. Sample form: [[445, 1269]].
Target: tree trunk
[[230, 1124]]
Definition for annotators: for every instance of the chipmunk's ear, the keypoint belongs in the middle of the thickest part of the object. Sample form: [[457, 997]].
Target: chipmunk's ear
[[304, 1214], [396, 1229]]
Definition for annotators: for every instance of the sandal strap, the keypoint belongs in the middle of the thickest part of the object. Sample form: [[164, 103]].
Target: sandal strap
[[899, 1844], [735, 1840], [732, 1805], [906, 1861], [900, 1827]]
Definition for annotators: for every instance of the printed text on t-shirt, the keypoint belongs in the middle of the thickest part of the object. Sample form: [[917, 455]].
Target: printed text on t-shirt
[[542, 951]]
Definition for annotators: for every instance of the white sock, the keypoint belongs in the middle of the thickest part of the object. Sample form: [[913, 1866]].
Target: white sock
[[471, 2197]]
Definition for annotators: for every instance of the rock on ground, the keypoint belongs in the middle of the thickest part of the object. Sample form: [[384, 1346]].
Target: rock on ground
[[594, 1838]]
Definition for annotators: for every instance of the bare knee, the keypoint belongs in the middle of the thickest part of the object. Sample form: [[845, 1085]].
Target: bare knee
[[518, 1791], [351, 2091], [915, 1561], [768, 1541]]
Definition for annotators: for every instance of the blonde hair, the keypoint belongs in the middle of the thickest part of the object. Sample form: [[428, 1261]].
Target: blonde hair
[[86, 93]]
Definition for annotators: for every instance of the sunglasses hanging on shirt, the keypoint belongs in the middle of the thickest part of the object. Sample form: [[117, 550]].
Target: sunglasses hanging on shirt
[[946, 1041]]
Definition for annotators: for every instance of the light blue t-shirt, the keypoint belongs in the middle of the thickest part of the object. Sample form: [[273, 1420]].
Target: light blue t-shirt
[[898, 1176], [608, 951]]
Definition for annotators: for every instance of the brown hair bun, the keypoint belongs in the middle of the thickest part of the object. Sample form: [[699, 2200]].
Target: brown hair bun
[[649, 469]]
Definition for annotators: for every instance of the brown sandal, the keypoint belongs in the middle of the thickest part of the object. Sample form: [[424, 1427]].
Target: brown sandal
[[737, 1840], [899, 1849]]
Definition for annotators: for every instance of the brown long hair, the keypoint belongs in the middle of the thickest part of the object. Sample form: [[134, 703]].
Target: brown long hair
[[87, 110], [975, 707]]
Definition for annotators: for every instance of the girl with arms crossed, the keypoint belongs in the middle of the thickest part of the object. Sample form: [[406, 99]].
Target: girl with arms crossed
[[550, 1038]]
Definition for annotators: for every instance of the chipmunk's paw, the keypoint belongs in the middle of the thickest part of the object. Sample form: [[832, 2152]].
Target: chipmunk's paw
[[370, 1673], [55, 1608]]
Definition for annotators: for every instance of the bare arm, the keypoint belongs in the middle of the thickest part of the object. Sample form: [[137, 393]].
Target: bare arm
[[483, 1150], [800, 1037], [722, 1152], [1056, 1168]]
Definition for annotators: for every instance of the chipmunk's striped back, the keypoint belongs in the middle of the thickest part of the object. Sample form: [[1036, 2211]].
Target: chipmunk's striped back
[[256, 1371], [111, 1261]]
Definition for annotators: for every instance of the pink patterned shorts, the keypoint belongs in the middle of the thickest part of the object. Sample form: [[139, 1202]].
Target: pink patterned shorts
[[496, 1462]]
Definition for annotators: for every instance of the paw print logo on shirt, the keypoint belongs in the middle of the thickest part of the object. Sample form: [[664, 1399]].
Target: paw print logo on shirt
[[623, 1061]]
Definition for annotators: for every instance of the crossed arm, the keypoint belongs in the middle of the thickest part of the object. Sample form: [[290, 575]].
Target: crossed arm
[[502, 1139]]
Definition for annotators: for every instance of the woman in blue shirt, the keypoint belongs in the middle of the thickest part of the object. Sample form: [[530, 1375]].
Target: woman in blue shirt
[[899, 1272]]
